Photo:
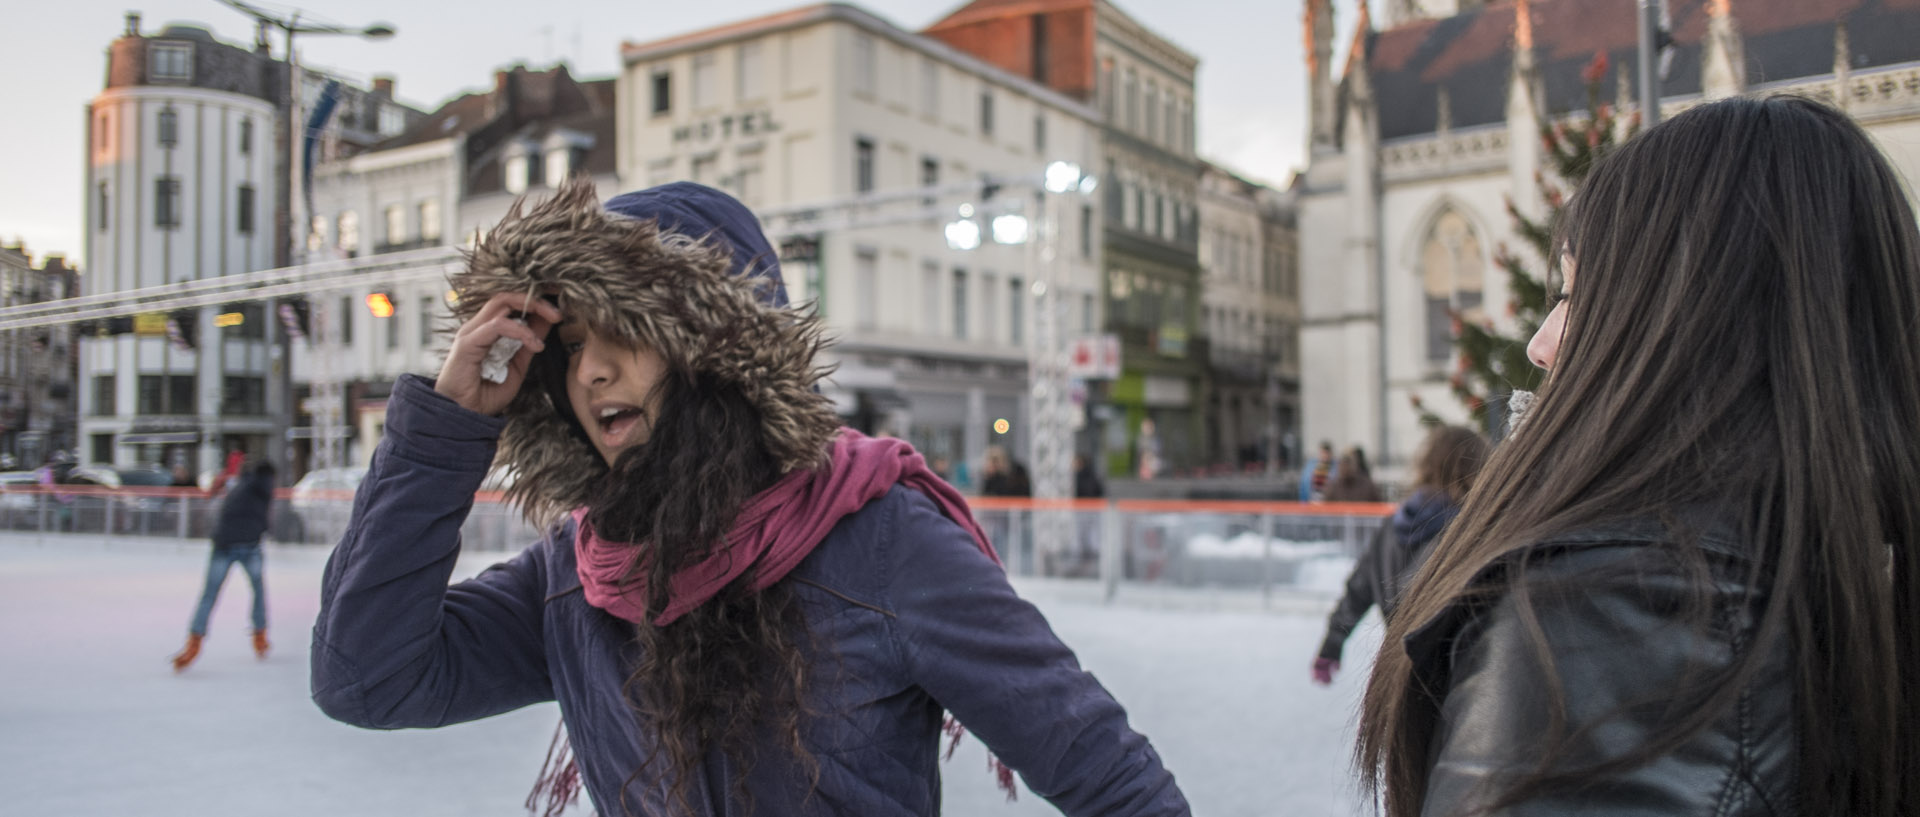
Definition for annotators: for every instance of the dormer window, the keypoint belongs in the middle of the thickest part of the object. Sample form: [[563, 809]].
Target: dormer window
[[393, 120], [521, 167], [515, 169], [565, 154], [170, 62]]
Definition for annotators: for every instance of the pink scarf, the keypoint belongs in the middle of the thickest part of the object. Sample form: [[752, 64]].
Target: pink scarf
[[775, 530]]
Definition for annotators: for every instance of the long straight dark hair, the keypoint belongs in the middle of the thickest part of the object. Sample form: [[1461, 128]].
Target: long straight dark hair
[[1743, 334]]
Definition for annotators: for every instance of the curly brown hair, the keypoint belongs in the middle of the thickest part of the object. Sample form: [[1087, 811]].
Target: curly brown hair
[[730, 670]]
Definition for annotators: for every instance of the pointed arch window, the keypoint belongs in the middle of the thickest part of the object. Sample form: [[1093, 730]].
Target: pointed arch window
[[1453, 262]]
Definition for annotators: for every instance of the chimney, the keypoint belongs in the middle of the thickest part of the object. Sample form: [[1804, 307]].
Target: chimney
[[133, 24], [507, 83], [383, 88]]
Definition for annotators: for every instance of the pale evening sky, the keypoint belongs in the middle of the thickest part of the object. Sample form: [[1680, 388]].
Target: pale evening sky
[[1252, 94]]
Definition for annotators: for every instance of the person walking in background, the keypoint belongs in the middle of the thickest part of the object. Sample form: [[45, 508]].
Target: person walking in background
[[239, 525], [1150, 463], [1360, 461], [1443, 473], [1691, 585], [740, 606], [1085, 561], [1351, 483], [1313, 480], [1003, 476], [1086, 482]]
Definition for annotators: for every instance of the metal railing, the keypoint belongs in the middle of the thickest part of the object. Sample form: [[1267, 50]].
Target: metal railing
[[1117, 546]]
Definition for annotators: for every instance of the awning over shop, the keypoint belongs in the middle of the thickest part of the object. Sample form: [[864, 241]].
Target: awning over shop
[[162, 438]]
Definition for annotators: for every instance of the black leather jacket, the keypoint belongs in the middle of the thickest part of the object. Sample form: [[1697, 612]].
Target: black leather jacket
[[1610, 606]]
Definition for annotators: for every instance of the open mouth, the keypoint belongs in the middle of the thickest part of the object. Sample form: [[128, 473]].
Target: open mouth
[[618, 423]]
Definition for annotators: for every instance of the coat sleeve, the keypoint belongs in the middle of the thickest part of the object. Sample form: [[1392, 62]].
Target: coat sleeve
[[1362, 586], [394, 646], [991, 659], [1619, 653]]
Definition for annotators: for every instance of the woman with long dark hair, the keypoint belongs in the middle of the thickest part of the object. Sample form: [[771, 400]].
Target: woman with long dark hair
[[1688, 585], [741, 607]]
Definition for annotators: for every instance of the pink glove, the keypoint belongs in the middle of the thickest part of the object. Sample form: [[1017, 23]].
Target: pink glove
[[1323, 670]]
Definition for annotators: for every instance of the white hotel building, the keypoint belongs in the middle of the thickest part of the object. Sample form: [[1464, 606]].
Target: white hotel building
[[831, 106]]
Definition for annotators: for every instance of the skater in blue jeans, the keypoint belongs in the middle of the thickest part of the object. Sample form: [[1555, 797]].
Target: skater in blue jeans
[[236, 540]]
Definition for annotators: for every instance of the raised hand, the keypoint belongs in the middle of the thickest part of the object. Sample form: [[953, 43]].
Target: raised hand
[[460, 376]]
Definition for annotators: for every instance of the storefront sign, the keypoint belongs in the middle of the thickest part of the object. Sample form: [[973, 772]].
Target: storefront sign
[[1094, 357], [752, 123], [1172, 340], [151, 324], [148, 425], [800, 248]]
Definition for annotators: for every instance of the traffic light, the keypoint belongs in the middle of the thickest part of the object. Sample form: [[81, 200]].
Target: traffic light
[[294, 314], [182, 328], [380, 304]]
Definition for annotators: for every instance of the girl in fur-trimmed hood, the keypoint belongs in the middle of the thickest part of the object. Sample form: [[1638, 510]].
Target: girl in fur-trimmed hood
[[740, 606]]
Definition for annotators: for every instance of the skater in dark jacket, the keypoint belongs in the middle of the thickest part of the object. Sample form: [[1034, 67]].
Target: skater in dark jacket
[[1443, 472], [238, 528], [740, 606]]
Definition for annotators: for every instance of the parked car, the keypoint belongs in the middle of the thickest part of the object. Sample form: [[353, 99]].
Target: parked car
[[327, 485], [141, 513], [322, 502], [19, 509]]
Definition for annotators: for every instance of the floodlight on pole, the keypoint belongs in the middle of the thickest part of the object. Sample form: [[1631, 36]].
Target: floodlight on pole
[[1011, 228], [963, 234], [1062, 177]]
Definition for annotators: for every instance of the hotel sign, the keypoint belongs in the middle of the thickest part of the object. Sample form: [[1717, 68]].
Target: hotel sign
[[751, 123]]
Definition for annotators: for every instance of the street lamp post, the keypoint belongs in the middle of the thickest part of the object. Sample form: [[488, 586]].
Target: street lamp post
[[1050, 427], [1652, 19], [325, 407]]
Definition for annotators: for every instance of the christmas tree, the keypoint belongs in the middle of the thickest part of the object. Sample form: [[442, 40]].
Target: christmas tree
[[1492, 363]]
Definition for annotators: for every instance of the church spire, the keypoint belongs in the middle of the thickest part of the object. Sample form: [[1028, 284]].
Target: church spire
[[1523, 30], [1317, 25], [1842, 67], [1723, 63]]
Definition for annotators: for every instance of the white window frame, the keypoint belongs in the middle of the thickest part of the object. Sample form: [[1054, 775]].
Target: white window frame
[[706, 80], [930, 88], [866, 64], [429, 212], [394, 217], [750, 70]]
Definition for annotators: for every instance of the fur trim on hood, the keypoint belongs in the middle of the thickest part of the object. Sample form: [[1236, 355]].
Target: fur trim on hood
[[680, 269]]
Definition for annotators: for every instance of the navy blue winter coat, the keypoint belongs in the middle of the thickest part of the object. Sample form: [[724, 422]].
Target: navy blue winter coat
[[919, 621], [243, 514]]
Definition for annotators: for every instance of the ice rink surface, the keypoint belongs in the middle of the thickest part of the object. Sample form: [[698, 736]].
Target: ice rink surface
[[94, 722]]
